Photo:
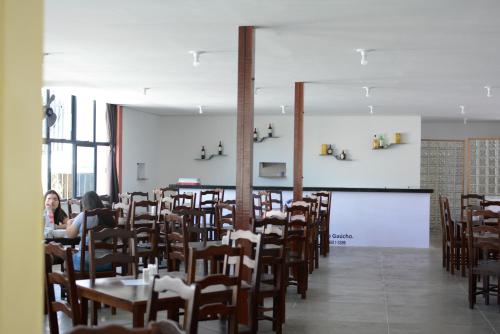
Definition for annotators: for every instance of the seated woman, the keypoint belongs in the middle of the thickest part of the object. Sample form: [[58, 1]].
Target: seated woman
[[54, 214], [90, 201]]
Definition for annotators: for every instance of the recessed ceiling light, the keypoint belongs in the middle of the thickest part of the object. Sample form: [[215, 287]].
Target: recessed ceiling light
[[488, 91]]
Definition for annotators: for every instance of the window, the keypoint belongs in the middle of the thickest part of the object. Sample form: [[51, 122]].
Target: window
[[76, 151]]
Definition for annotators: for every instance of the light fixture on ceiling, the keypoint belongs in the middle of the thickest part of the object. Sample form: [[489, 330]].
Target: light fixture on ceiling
[[363, 53], [196, 57], [488, 91], [283, 107], [462, 109], [367, 91], [145, 90], [200, 110], [371, 109]]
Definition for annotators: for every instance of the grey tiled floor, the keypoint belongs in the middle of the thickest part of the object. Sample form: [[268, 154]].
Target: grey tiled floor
[[378, 290]]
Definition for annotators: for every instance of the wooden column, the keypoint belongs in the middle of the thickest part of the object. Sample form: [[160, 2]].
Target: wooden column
[[244, 154], [298, 142]]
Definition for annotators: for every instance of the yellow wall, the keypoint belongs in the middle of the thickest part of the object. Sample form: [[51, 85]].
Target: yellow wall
[[21, 280]]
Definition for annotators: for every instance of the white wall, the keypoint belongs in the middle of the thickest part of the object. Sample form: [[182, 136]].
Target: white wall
[[181, 139], [459, 130], [141, 143]]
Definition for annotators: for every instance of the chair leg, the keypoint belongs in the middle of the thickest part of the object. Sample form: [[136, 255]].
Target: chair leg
[[452, 259], [486, 289], [471, 291]]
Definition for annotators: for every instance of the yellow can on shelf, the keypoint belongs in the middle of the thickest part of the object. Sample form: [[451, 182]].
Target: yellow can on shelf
[[324, 149], [397, 138]]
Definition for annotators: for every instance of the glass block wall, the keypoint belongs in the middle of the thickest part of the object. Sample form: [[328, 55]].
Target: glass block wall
[[484, 166], [442, 169]]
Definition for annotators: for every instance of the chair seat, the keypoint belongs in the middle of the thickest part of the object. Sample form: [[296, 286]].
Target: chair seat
[[487, 268]]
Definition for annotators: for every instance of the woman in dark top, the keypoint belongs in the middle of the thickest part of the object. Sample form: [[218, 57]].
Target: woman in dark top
[[54, 214]]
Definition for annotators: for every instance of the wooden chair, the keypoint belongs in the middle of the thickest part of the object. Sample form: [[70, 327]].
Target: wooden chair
[[486, 204], [208, 200], [443, 232], [313, 242], [297, 252], [273, 284], [224, 218], [66, 280], [217, 303], [115, 247], [455, 245], [251, 244], [101, 214], [160, 327], [177, 244], [324, 206], [190, 294], [484, 261], [144, 221], [74, 207], [469, 201], [106, 200]]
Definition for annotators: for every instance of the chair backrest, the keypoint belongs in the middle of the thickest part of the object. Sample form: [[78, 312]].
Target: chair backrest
[[251, 255], [224, 214], [106, 200], [107, 218], [135, 196], [274, 229], [147, 240], [230, 278], [177, 245], [469, 201], [274, 200], [449, 224], [74, 207], [189, 293], [313, 206], [143, 213], [160, 327], [185, 201], [164, 192], [67, 280], [486, 205], [258, 208], [116, 244], [324, 203], [208, 198], [441, 214], [195, 222]]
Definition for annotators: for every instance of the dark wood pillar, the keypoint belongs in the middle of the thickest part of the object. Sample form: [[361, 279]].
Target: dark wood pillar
[[298, 142], [244, 147]]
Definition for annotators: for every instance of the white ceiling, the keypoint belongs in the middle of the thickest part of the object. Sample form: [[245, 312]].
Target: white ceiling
[[430, 56]]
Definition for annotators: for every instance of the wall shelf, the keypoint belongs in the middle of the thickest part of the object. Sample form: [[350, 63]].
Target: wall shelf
[[210, 156], [260, 140], [387, 146], [336, 156]]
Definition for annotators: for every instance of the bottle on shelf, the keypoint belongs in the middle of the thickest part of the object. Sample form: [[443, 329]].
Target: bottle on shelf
[[324, 149], [203, 153], [255, 134], [270, 130], [342, 155], [375, 143], [329, 151], [220, 147], [381, 141]]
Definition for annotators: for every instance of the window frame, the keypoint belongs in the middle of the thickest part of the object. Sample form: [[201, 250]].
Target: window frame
[[75, 144]]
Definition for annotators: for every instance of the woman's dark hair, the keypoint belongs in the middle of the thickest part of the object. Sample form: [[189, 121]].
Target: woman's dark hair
[[59, 214], [91, 201]]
